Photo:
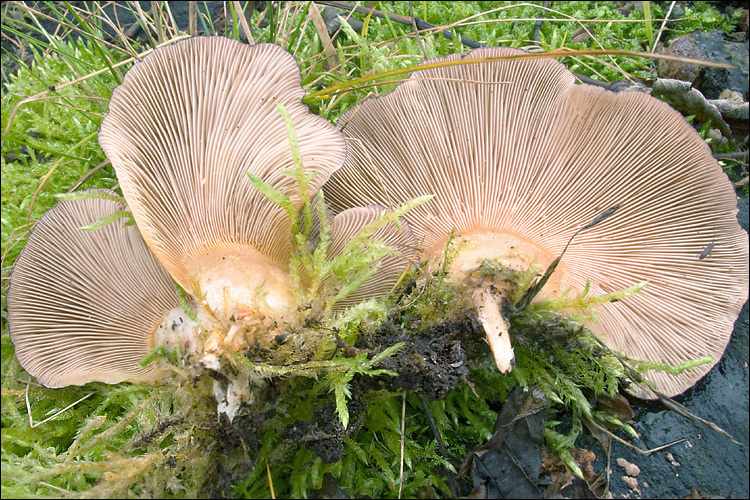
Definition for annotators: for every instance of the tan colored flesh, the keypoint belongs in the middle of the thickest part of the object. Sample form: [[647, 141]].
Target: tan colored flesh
[[511, 253], [237, 282]]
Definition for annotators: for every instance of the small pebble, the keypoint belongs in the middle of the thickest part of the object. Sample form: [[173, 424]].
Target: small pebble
[[731, 95], [630, 469], [670, 459], [632, 483]]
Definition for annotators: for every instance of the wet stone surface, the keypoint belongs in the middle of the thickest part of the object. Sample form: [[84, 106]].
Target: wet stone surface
[[717, 48], [712, 46]]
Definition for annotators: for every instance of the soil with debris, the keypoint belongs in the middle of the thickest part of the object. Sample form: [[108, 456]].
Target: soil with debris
[[431, 363]]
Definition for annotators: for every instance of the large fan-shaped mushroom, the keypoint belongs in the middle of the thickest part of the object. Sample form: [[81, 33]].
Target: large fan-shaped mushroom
[[87, 306], [519, 157], [185, 127], [183, 130]]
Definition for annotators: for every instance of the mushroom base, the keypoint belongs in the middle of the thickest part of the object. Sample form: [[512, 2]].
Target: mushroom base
[[241, 283], [489, 290], [177, 330], [509, 251]]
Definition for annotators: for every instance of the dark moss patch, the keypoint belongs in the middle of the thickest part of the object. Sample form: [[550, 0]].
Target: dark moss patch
[[324, 435]]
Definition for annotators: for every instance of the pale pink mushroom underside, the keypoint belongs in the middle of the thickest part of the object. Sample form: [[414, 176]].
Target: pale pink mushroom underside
[[518, 147], [184, 128], [347, 224]]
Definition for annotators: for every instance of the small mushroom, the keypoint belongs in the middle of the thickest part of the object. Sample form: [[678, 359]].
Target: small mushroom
[[347, 224], [87, 306], [520, 157], [183, 130]]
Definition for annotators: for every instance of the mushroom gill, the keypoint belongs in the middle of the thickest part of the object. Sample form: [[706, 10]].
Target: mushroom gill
[[87, 306], [520, 157], [347, 224], [183, 130]]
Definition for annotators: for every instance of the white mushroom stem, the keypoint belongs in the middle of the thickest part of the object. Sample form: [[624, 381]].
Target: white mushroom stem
[[234, 396], [495, 326]]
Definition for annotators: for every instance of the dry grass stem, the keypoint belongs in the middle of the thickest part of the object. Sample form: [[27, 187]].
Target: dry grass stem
[[28, 408]]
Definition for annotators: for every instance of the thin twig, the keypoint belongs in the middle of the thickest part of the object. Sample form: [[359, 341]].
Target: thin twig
[[28, 409], [590, 421], [193, 18], [736, 155], [88, 175], [673, 405], [27, 382], [331, 62], [172, 26], [69, 26], [416, 29], [156, 16], [591, 81], [243, 22], [421, 24], [56, 488], [413, 259], [144, 23], [403, 438], [608, 470], [544, 8], [344, 87]]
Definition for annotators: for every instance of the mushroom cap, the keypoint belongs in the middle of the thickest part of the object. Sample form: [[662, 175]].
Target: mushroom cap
[[347, 224], [183, 129], [83, 306], [517, 148]]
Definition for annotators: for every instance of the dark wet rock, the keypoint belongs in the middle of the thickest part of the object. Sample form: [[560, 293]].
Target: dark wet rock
[[683, 46], [712, 46], [718, 48], [743, 216]]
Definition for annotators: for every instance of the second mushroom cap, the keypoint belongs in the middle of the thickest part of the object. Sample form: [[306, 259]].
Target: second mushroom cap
[[519, 157]]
